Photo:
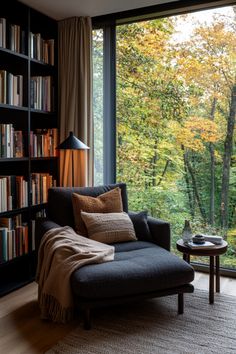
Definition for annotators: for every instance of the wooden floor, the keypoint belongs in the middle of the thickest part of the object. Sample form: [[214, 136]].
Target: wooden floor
[[22, 331]]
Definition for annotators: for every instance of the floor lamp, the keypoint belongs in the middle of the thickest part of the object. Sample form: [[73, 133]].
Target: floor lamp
[[72, 143]]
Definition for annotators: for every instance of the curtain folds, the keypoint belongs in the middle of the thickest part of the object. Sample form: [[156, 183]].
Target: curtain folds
[[75, 98]]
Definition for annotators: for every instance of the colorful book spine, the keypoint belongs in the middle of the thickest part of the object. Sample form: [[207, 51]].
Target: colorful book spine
[[14, 238], [11, 88], [11, 142], [41, 49], [40, 183], [41, 93], [13, 192], [43, 142]]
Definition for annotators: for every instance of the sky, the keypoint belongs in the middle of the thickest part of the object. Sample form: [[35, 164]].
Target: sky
[[187, 23]]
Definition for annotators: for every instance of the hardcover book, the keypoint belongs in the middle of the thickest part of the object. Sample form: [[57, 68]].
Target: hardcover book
[[197, 246]]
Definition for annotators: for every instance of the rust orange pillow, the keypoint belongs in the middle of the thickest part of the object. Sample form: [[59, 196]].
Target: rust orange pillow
[[109, 202]]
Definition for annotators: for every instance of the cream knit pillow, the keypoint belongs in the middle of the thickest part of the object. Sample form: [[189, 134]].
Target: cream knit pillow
[[109, 227]]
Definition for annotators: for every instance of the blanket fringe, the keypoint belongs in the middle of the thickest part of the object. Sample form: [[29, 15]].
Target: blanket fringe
[[52, 310]]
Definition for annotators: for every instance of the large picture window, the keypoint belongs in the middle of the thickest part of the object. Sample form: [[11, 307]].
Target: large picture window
[[175, 120]]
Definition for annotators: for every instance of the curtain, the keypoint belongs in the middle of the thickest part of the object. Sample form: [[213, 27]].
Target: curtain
[[75, 98]]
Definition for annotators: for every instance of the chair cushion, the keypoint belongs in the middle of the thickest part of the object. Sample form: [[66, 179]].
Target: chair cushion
[[138, 267], [109, 227], [109, 202]]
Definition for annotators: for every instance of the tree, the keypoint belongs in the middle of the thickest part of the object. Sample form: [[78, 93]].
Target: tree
[[174, 100], [214, 58]]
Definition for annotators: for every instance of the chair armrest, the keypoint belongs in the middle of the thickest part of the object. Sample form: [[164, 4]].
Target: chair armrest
[[160, 231], [42, 225]]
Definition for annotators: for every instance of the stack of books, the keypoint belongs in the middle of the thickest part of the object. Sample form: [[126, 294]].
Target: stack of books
[[207, 241]]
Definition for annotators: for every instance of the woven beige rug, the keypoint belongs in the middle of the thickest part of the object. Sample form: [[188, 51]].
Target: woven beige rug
[[153, 327]]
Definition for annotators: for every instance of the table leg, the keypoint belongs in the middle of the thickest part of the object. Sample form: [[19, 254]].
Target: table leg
[[211, 281], [186, 257], [217, 274]]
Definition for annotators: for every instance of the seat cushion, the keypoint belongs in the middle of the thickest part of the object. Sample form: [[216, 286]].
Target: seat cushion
[[139, 267]]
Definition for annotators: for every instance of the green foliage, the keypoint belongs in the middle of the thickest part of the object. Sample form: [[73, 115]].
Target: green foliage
[[173, 103]]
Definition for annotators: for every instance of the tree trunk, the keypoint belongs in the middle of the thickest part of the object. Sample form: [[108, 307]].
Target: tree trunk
[[195, 188], [228, 146], [154, 165], [189, 191], [163, 172], [212, 168]]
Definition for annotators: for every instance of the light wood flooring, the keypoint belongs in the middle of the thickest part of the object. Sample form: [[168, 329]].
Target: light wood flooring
[[22, 331]]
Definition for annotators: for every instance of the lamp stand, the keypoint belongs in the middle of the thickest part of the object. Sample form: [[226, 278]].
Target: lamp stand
[[72, 143], [72, 166]]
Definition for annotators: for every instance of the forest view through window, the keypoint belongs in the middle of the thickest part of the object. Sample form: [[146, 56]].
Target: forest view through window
[[98, 104], [176, 104]]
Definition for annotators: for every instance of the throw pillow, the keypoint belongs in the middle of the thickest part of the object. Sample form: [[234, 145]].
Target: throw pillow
[[109, 202], [109, 227], [141, 227]]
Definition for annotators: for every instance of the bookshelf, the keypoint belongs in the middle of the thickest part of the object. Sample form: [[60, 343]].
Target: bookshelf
[[28, 135]]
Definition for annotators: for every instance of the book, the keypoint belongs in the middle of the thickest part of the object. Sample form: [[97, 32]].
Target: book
[[217, 240], [3, 244], [197, 246]]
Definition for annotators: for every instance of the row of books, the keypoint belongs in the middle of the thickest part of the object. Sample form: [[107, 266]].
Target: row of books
[[11, 88], [11, 141], [43, 142], [41, 93], [12, 37], [14, 236], [14, 190], [41, 182], [14, 240], [41, 49]]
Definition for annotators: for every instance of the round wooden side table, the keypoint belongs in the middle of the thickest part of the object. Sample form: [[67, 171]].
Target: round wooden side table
[[214, 254]]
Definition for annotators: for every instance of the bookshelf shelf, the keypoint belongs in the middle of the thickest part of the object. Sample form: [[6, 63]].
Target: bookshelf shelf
[[8, 287], [44, 158], [9, 106], [13, 212], [12, 53], [39, 62], [15, 260], [39, 111], [14, 159], [24, 132]]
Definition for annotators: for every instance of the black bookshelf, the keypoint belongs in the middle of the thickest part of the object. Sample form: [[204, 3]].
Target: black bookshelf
[[28, 50]]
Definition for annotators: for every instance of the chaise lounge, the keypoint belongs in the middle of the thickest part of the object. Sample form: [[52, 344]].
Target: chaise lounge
[[141, 269]]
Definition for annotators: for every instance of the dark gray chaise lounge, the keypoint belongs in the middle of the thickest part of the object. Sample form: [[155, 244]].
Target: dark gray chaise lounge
[[141, 269]]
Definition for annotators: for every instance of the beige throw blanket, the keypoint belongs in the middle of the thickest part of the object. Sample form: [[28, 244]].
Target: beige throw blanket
[[61, 252]]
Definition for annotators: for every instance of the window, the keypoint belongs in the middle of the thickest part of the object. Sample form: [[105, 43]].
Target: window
[[175, 117], [98, 104]]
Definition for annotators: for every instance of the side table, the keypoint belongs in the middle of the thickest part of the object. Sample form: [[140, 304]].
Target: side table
[[214, 254]]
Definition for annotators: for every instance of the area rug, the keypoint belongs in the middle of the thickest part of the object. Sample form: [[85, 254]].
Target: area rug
[[154, 327]]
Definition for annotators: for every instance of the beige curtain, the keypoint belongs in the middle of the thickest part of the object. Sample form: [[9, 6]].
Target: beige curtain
[[75, 98]]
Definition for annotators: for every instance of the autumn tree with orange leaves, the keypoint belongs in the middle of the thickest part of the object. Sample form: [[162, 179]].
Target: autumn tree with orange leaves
[[176, 104]]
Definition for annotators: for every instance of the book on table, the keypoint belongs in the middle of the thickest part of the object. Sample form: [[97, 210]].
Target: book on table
[[217, 240], [198, 246]]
